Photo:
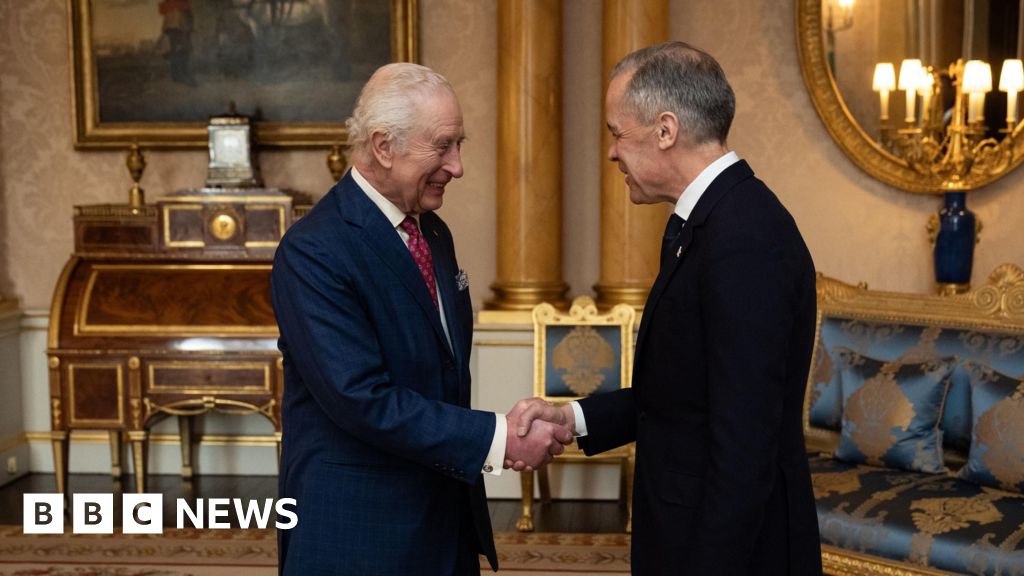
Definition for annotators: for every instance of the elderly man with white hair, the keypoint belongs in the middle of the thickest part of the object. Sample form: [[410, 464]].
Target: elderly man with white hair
[[381, 451]]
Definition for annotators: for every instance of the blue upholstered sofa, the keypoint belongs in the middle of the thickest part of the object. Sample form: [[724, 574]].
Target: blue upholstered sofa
[[915, 420]]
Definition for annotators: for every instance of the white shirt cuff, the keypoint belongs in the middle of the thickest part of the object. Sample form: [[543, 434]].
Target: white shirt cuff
[[581, 422], [495, 461]]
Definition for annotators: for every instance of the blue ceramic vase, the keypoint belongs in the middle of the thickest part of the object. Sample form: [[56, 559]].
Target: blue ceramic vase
[[954, 245]]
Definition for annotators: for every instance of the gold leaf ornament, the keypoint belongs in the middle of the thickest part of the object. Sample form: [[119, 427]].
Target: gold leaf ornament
[[941, 515], [876, 409], [582, 355]]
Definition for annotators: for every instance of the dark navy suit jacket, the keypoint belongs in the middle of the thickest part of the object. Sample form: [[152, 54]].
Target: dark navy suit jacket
[[722, 484], [380, 448]]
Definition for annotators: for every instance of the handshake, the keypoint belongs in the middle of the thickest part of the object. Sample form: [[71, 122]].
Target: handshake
[[537, 432]]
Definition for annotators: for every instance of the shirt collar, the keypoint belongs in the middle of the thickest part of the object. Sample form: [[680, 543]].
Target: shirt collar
[[693, 192], [393, 213]]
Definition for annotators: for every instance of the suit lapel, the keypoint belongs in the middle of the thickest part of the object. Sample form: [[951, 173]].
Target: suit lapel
[[725, 181], [444, 274], [677, 253], [381, 238]]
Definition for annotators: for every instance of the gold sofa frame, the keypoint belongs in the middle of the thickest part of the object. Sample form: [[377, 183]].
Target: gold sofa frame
[[997, 306]]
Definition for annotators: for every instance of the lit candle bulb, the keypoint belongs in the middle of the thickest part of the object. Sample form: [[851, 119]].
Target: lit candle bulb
[[883, 83], [925, 88], [910, 76], [1011, 81], [976, 82]]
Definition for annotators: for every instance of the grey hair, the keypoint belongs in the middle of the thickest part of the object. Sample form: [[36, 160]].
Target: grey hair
[[390, 102], [679, 78]]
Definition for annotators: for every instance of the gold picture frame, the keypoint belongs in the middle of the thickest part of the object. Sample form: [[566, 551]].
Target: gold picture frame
[[152, 72]]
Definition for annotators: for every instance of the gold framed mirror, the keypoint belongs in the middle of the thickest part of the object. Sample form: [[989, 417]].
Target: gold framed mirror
[[946, 149]]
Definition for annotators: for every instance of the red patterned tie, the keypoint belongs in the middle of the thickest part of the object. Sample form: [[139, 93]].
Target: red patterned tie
[[421, 254]]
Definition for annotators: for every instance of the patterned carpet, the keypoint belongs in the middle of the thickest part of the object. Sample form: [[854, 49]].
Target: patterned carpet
[[254, 552]]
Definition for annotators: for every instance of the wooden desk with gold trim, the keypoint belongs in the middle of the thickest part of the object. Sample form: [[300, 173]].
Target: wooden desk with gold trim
[[164, 310]]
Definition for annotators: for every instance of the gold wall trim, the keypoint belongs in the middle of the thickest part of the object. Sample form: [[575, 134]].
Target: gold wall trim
[[12, 442], [90, 437], [522, 318], [498, 343]]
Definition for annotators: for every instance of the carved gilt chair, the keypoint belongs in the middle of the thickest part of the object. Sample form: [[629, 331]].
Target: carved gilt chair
[[577, 354]]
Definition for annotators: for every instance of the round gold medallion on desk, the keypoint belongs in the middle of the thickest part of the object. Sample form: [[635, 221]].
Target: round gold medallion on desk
[[223, 227]]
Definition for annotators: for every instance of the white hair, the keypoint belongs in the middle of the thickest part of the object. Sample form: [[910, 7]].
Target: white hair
[[390, 103]]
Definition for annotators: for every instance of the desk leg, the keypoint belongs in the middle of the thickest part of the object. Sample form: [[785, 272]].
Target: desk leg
[[277, 438], [115, 454], [185, 432], [525, 522], [140, 449], [60, 458]]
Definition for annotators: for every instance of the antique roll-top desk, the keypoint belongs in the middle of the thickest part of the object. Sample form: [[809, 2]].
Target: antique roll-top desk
[[164, 310]]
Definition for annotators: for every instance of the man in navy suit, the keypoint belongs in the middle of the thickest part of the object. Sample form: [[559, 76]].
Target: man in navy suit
[[381, 451], [722, 483]]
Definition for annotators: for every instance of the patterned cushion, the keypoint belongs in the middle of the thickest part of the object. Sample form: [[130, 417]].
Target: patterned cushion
[[895, 341], [928, 520], [891, 411], [997, 431], [883, 341]]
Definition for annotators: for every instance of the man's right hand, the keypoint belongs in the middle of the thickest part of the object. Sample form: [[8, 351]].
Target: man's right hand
[[539, 446], [534, 413]]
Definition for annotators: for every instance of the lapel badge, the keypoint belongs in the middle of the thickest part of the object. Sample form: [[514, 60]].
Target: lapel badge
[[462, 280]]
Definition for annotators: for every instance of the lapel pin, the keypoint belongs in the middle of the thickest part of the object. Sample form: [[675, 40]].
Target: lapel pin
[[679, 252]]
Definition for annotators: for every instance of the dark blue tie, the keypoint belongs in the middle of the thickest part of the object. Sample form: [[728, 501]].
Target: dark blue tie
[[672, 231]]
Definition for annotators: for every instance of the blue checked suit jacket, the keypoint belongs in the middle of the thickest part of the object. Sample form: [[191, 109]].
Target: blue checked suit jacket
[[380, 448]]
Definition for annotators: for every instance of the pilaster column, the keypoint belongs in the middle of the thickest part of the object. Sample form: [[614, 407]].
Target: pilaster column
[[529, 228], [630, 235]]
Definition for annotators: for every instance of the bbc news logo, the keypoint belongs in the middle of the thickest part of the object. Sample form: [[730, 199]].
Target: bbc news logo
[[144, 513]]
